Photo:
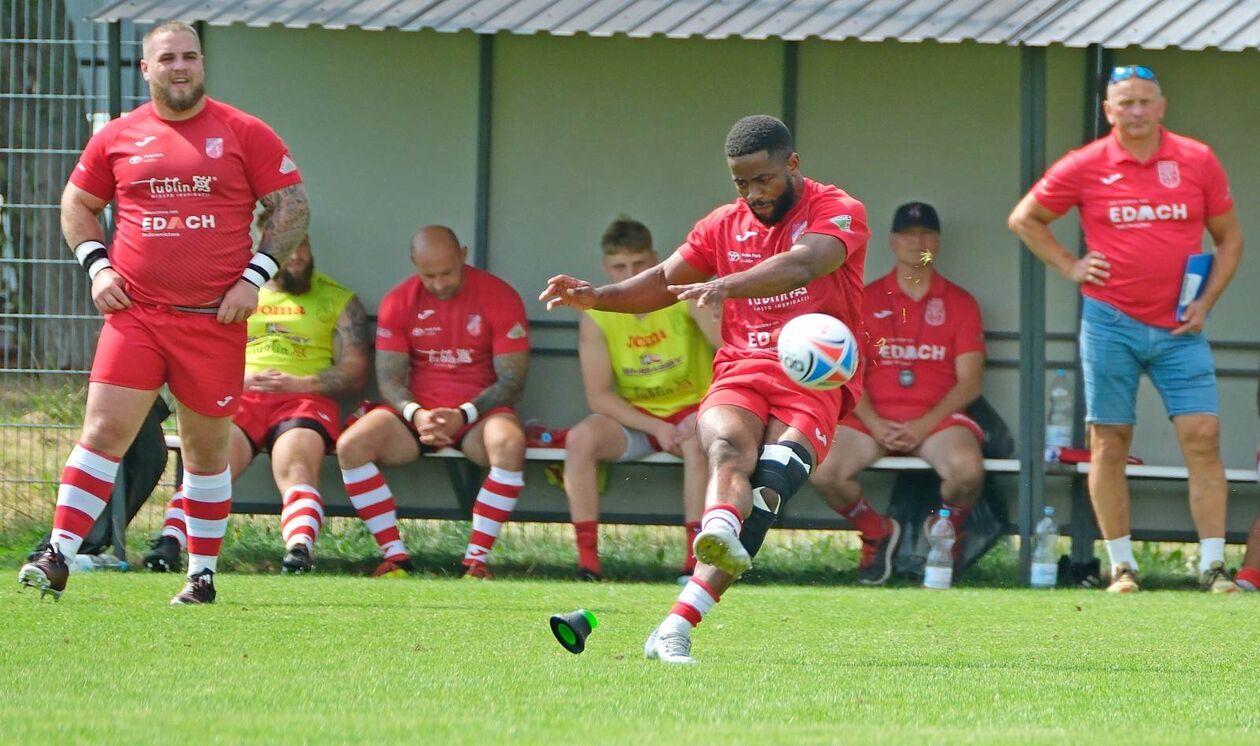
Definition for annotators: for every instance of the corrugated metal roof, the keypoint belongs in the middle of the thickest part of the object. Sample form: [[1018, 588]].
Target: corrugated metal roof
[[1190, 24]]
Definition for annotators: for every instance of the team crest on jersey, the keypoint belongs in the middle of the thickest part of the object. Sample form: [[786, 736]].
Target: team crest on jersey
[[474, 324], [214, 147], [799, 229], [934, 314], [1169, 173], [843, 222]]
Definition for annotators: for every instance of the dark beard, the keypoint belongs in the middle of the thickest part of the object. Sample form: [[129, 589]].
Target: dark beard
[[295, 284], [782, 206], [180, 104]]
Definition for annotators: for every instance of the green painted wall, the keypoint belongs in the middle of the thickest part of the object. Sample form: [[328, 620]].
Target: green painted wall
[[384, 127]]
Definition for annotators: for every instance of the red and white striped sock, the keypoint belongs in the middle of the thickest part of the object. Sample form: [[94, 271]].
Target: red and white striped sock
[[302, 516], [86, 483], [207, 504], [375, 505], [722, 515], [696, 599], [493, 508], [174, 524]]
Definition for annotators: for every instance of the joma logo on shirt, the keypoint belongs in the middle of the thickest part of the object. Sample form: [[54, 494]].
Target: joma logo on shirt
[[282, 310], [192, 222], [1147, 213], [646, 340], [912, 352]]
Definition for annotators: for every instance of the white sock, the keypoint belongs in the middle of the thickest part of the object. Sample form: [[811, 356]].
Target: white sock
[[675, 624], [1121, 552], [1210, 550]]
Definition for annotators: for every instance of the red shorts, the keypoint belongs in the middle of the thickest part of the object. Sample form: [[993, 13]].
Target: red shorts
[[760, 386], [263, 417], [202, 360], [957, 419], [367, 406]]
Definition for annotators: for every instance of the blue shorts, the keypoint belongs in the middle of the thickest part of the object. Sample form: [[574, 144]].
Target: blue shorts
[[1116, 349]]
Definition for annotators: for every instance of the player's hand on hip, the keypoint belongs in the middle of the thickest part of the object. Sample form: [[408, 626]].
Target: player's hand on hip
[[109, 292], [1193, 318], [563, 290], [709, 293], [238, 303], [1092, 269]]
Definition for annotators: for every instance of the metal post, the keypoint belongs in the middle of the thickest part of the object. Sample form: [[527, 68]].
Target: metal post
[[118, 498], [115, 69], [1083, 528], [485, 112], [1032, 314], [791, 82]]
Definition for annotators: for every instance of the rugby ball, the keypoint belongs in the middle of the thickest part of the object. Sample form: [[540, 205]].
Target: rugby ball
[[818, 351]]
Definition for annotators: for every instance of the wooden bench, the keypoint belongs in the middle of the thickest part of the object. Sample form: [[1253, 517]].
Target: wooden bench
[[422, 492]]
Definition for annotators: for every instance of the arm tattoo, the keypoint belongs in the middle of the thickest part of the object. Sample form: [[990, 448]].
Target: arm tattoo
[[510, 372], [393, 369], [349, 353], [286, 215]]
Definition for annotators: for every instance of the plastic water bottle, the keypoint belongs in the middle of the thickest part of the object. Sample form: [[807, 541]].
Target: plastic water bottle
[[1059, 416], [939, 571], [1045, 563], [95, 562]]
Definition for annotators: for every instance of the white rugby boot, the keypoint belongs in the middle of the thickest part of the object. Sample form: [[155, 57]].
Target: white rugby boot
[[670, 647]]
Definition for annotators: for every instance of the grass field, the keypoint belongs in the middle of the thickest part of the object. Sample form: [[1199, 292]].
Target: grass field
[[343, 659]]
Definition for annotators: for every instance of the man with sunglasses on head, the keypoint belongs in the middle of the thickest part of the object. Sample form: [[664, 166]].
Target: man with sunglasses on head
[[1145, 196]]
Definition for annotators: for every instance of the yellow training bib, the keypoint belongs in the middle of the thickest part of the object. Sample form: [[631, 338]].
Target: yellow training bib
[[294, 333], [661, 361]]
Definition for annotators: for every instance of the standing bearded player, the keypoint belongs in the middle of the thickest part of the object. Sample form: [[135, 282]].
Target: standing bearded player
[[787, 246], [307, 346], [175, 288]]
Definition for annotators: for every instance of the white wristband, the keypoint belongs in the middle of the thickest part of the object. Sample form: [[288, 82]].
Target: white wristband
[[470, 412], [97, 267], [93, 256], [262, 267], [409, 411]]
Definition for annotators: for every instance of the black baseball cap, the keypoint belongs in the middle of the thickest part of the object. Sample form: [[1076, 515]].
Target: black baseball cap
[[916, 215]]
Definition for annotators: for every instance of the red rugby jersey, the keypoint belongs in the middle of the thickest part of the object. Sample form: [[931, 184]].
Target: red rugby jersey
[[452, 342], [924, 336], [1147, 218], [731, 239], [185, 194]]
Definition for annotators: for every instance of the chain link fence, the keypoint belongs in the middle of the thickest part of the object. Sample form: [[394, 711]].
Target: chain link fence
[[55, 91]]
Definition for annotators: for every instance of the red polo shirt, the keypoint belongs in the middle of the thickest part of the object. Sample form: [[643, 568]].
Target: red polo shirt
[[923, 336], [1145, 217]]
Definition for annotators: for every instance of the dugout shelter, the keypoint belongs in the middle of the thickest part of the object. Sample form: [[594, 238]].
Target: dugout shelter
[[527, 125]]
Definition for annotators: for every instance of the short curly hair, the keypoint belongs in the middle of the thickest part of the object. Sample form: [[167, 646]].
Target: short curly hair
[[756, 133], [626, 234]]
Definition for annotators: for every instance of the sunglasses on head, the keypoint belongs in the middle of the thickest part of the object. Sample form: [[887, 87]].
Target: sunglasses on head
[[1132, 71]]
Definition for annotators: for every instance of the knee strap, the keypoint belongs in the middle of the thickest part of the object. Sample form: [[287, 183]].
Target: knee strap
[[783, 467]]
